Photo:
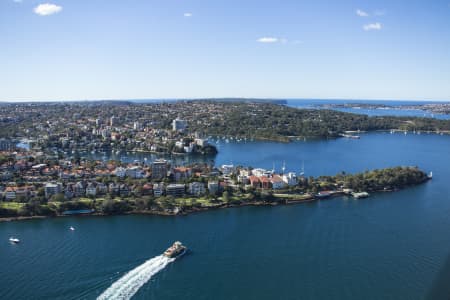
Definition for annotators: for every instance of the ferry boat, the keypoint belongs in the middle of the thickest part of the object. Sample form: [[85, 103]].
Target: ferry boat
[[177, 249], [14, 240]]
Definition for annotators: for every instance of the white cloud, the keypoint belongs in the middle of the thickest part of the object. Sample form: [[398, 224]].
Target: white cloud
[[361, 13], [372, 26], [187, 14], [47, 9], [267, 40]]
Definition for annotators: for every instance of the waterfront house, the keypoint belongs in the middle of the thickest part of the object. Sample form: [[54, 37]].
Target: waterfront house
[[52, 188], [91, 189], [277, 182], [24, 192], [147, 189], [158, 189], [254, 181], [243, 179], [213, 187], [175, 189], [265, 182], [10, 193], [79, 189], [196, 188], [290, 179]]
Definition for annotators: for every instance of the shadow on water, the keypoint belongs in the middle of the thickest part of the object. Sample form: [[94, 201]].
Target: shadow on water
[[440, 288]]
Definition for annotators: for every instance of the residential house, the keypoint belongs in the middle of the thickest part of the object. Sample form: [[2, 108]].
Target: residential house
[[158, 189], [277, 182], [265, 182], [175, 189], [10, 193], [159, 169], [91, 189], [52, 188], [290, 178], [196, 188], [213, 187], [181, 173], [254, 181]]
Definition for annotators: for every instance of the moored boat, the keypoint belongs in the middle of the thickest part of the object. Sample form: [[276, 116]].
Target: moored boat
[[177, 249], [14, 240]]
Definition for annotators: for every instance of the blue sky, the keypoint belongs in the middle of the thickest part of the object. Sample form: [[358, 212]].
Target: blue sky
[[107, 49]]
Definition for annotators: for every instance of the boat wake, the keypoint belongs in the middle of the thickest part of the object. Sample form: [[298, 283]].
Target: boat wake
[[131, 282]]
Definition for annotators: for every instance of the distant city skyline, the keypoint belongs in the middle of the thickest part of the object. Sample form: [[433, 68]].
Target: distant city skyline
[[59, 50]]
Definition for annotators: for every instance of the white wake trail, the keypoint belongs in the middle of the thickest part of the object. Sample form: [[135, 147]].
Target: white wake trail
[[131, 282]]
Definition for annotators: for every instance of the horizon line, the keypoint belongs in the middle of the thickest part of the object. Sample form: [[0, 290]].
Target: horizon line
[[224, 98]]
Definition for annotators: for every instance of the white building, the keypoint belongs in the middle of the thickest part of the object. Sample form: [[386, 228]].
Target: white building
[[196, 188], [213, 187], [158, 189], [261, 172], [243, 179], [137, 125], [290, 178], [179, 125], [112, 121], [227, 169], [52, 189]]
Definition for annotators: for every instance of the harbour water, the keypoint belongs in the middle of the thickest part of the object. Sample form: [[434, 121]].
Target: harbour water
[[389, 246], [395, 108]]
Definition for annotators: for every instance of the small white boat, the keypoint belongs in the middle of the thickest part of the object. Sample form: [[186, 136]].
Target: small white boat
[[14, 240], [72, 228]]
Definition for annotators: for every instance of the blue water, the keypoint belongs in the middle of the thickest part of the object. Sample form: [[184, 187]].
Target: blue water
[[389, 246], [403, 112]]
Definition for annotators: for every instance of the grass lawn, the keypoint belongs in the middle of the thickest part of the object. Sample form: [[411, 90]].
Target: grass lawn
[[12, 205]]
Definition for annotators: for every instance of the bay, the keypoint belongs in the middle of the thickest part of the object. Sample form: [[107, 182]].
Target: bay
[[389, 246]]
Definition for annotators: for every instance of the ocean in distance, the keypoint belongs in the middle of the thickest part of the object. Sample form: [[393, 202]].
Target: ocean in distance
[[389, 246], [398, 110]]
